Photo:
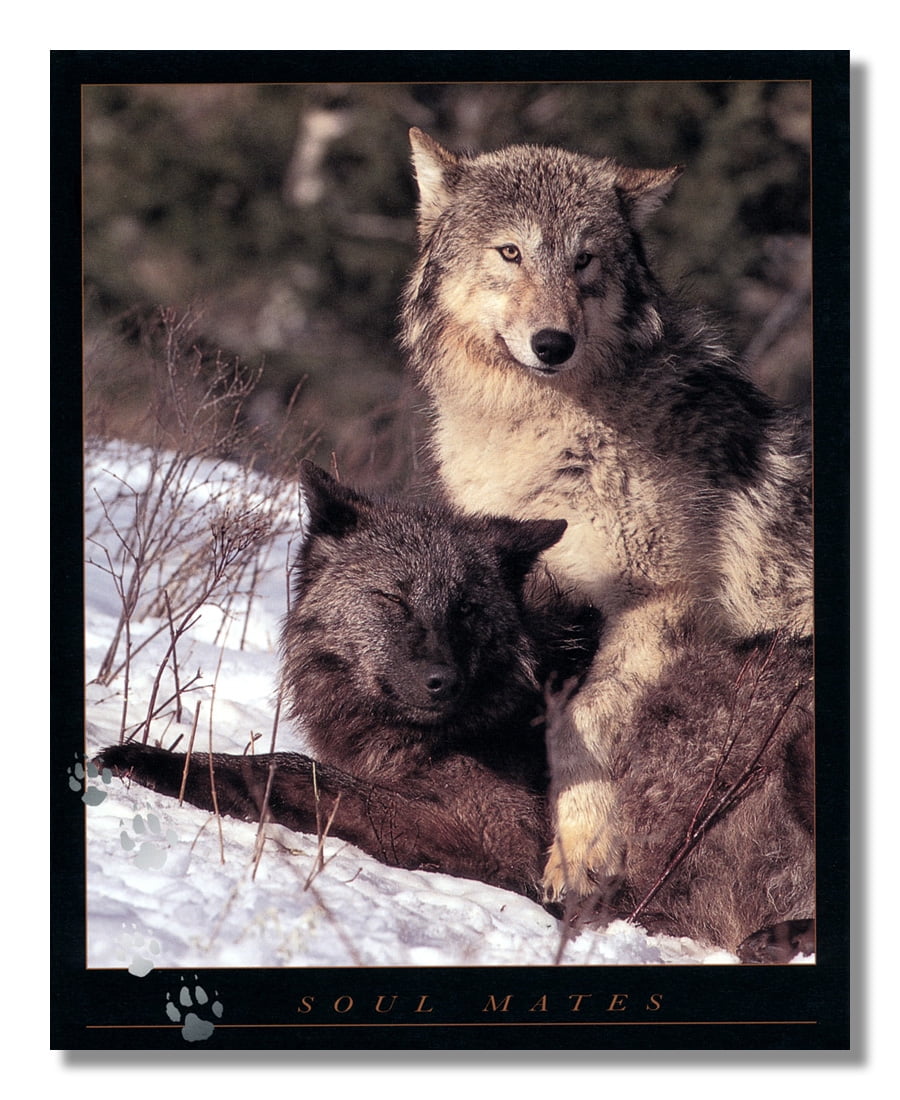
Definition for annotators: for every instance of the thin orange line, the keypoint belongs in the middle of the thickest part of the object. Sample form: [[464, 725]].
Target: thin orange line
[[488, 1023]]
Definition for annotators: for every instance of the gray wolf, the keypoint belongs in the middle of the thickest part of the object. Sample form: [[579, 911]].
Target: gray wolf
[[564, 382], [414, 663]]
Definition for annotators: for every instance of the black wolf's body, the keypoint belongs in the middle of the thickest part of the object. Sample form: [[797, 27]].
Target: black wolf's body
[[565, 383], [414, 667]]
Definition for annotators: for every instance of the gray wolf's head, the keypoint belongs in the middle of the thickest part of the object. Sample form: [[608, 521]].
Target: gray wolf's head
[[531, 256]]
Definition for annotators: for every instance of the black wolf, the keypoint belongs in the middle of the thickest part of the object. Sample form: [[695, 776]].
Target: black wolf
[[415, 668]]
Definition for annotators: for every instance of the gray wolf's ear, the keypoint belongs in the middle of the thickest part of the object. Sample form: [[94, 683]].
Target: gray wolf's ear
[[436, 170], [332, 508], [644, 190]]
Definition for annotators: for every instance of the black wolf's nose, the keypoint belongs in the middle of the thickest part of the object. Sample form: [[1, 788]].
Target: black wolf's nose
[[552, 346], [441, 681]]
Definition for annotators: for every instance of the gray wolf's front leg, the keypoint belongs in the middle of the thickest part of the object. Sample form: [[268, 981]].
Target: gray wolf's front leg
[[587, 857]]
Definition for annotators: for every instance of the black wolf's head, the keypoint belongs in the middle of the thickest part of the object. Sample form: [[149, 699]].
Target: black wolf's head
[[531, 257], [409, 616]]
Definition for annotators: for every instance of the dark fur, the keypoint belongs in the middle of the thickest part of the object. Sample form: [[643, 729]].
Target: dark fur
[[414, 669], [457, 783], [723, 748], [409, 637]]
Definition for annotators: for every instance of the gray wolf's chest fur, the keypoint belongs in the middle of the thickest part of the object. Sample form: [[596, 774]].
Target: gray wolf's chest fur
[[627, 529], [647, 512]]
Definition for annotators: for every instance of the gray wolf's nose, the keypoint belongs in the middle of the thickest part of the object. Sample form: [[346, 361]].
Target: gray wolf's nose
[[552, 346]]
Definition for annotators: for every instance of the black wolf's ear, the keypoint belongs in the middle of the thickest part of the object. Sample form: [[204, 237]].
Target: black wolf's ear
[[519, 542], [436, 170], [332, 508], [644, 190]]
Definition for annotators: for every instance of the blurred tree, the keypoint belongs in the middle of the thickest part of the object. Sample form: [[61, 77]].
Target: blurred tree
[[284, 214]]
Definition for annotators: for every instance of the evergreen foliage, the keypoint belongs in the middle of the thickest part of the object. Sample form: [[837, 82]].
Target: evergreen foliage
[[283, 215]]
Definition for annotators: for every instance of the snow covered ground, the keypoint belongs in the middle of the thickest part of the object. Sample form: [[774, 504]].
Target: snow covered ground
[[166, 888]]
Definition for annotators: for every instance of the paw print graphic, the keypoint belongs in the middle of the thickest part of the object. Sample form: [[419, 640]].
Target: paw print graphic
[[83, 776], [140, 949], [150, 841], [196, 1025]]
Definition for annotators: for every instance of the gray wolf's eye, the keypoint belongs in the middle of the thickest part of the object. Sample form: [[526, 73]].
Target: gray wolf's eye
[[510, 253], [582, 260]]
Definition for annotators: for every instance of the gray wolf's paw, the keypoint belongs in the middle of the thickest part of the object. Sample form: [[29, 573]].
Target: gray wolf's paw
[[587, 857], [82, 777], [196, 1024], [152, 852], [584, 866], [139, 949]]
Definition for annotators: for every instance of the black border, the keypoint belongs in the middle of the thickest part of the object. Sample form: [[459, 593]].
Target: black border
[[704, 1008]]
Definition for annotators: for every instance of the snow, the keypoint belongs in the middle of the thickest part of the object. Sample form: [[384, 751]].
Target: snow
[[170, 886]]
